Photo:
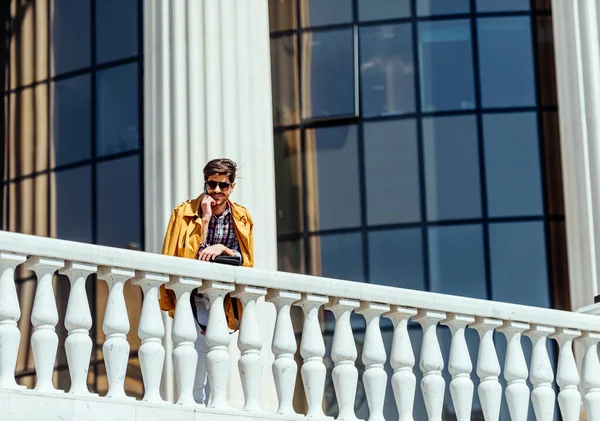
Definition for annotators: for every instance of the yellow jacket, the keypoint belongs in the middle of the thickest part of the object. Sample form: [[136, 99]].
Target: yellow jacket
[[183, 238]]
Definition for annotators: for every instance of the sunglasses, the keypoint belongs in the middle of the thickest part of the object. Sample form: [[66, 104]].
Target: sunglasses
[[222, 185]]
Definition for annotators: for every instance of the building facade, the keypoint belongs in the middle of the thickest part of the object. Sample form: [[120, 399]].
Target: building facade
[[413, 143]]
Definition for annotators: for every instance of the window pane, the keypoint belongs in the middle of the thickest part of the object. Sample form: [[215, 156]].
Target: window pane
[[392, 171], [74, 204], [116, 29], [385, 9], [396, 258], [70, 35], [387, 70], [288, 173], [456, 261], [118, 202], [117, 105], [331, 164], [290, 256], [338, 256], [328, 75], [442, 7], [72, 120], [451, 168], [518, 263], [319, 12], [446, 65], [284, 80], [512, 165], [282, 15], [502, 6], [506, 62]]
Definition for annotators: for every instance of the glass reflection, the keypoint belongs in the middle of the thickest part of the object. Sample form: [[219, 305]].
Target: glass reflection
[[446, 65], [284, 80], [387, 70], [118, 201], [337, 256], [385, 9], [71, 36], [117, 105], [456, 261], [74, 204], [506, 62], [72, 120], [289, 191], [328, 74], [290, 256], [319, 12], [392, 172], [282, 15], [452, 168], [396, 258], [512, 164], [502, 6], [331, 162], [116, 29], [442, 7], [518, 263]]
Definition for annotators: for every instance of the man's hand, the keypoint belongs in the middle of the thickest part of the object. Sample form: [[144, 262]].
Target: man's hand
[[210, 252], [206, 205]]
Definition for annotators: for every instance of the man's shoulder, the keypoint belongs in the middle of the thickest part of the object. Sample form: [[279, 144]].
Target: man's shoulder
[[240, 210]]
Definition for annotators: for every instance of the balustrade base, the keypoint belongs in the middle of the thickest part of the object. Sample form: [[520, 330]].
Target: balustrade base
[[31, 405]]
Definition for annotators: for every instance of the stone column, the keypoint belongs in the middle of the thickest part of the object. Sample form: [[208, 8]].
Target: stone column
[[577, 52], [207, 95]]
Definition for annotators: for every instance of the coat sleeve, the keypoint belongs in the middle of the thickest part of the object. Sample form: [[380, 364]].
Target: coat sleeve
[[251, 239], [166, 298]]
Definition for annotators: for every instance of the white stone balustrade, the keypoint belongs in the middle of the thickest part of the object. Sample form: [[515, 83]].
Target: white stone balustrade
[[116, 267]]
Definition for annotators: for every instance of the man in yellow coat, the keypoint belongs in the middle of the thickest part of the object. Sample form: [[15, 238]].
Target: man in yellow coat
[[203, 228]]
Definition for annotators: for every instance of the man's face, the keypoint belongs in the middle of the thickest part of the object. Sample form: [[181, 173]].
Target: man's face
[[217, 190]]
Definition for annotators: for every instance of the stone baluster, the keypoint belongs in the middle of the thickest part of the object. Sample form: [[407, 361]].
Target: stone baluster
[[515, 371], [541, 374], [44, 317], [374, 357], [151, 331], [402, 360], [590, 373], [431, 363], [284, 348], [115, 327], [312, 350], [184, 334], [488, 368], [344, 354], [10, 313], [567, 377], [250, 344], [460, 366], [217, 341], [78, 321]]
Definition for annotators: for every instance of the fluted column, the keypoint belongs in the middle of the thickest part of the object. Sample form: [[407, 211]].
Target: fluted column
[[250, 344], [115, 327], [44, 318], [284, 347], [151, 331], [344, 354], [10, 313], [460, 366], [78, 321], [207, 94]]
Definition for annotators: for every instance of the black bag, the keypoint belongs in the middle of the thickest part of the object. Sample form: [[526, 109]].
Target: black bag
[[228, 260]]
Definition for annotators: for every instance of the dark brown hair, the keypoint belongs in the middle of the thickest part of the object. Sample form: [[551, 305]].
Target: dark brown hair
[[221, 166]]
